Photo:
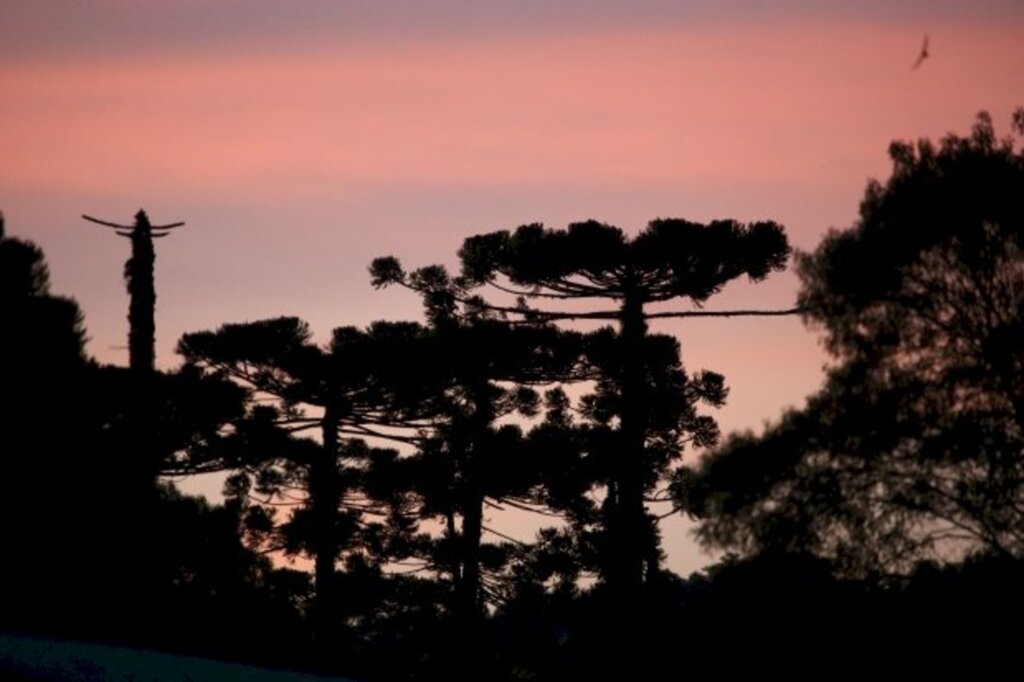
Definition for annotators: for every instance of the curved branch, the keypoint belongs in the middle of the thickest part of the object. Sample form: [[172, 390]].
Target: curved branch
[[106, 223]]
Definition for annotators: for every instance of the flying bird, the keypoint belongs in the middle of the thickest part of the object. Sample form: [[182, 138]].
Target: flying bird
[[921, 57]]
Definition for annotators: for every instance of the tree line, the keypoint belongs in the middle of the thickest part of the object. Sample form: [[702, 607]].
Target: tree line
[[380, 455]]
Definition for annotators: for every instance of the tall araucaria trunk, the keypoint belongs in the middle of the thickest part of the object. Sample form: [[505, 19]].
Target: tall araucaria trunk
[[325, 498], [627, 527]]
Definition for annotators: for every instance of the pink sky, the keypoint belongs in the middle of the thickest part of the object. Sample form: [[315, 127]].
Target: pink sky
[[297, 148]]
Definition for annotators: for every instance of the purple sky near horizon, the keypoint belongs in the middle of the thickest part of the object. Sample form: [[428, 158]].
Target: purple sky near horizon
[[301, 140]]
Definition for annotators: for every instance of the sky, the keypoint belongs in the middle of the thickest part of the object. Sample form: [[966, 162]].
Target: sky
[[301, 140]]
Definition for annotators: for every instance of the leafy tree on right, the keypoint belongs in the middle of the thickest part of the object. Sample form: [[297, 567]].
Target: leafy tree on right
[[914, 447]]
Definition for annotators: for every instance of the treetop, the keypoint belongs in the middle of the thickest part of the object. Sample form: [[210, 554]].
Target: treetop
[[669, 258]]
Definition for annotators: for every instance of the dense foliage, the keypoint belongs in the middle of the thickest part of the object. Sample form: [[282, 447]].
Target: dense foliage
[[913, 448], [366, 478]]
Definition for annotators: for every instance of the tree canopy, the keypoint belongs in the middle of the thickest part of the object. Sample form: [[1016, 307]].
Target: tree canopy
[[915, 445], [399, 450], [552, 273]]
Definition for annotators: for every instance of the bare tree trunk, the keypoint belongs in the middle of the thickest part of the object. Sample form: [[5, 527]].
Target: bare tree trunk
[[139, 276]]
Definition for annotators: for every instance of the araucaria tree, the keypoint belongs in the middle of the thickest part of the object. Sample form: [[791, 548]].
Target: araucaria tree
[[914, 448], [482, 371], [553, 273], [138, 276], [338, 394]]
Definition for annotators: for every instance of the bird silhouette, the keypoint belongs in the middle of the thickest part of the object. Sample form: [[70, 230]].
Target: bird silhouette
[[921, 57]]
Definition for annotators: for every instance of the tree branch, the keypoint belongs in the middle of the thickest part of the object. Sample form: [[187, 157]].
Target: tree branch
[[725, 313], [506, 537], [105, 223]]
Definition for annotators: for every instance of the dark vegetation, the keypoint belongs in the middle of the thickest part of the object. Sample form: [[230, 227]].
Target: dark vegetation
[[888, 510]]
